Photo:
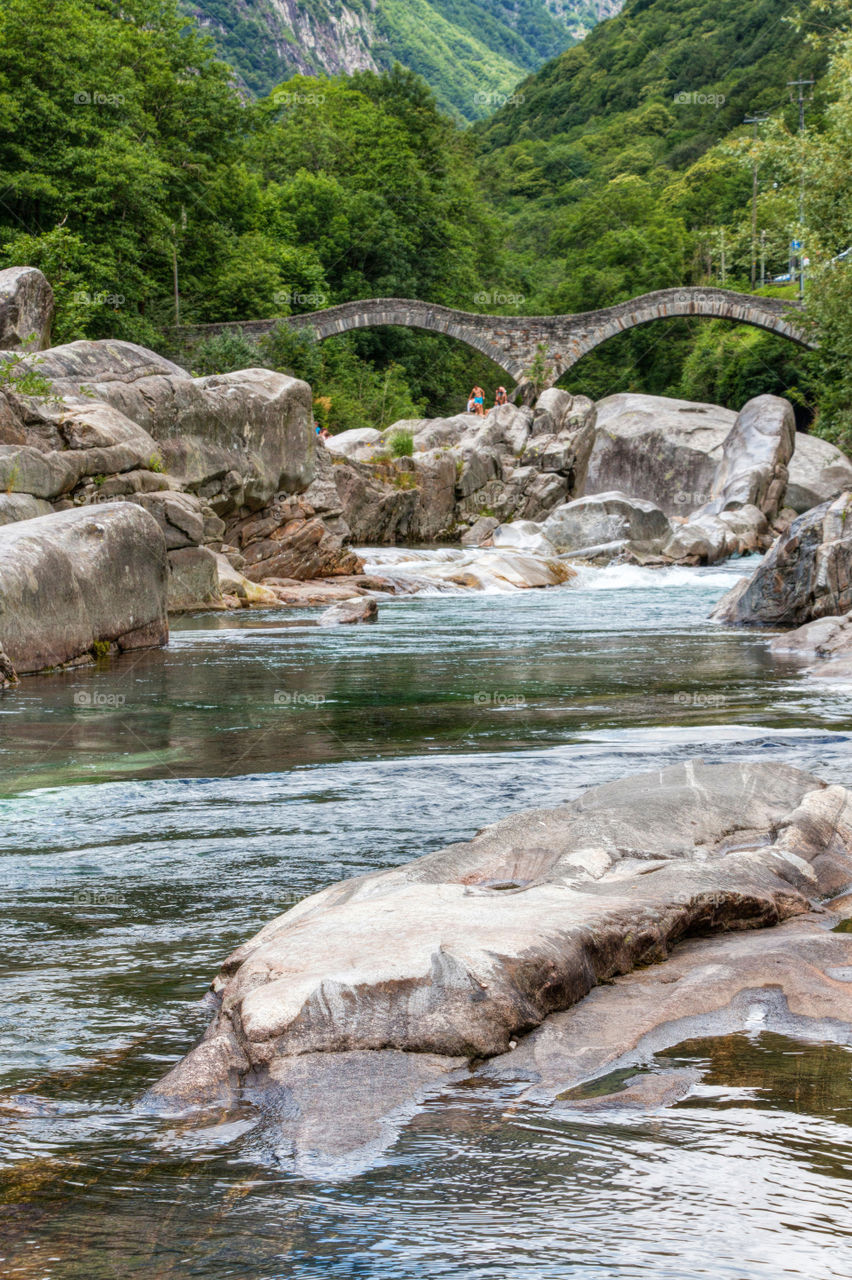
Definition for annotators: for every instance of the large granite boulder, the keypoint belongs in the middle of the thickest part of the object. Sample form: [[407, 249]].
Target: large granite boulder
[[459, 954], [807, 573], [817, 472], [235, 439], [661, 450], [26, 309], [75, 579], [605, 518], [752, 470]]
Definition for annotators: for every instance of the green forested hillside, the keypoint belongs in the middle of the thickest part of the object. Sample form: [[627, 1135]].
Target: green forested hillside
[[128, 157], [618, 172], [471, 52]]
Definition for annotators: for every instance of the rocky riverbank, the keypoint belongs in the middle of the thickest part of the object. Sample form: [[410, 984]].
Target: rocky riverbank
[[254, 510]]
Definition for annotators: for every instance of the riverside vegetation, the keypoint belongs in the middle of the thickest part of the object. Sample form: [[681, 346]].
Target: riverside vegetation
[[622, 166]]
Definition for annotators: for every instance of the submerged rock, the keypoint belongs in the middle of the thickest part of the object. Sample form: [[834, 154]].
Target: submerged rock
[[461, 952], [358, 609], [76, 579]]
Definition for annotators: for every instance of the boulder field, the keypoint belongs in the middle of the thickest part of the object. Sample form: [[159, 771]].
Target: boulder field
[[635, 477], [255, 510], [489, 955]]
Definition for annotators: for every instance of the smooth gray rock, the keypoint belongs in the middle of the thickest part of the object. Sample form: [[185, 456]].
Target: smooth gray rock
[[348, 612], [21, 506], [605, 517], [360, 443], [817, 472], [254, 425], [26, 309], [462, 951], [193, 579], [76, 578], [658, 449], [807, 573], [753, 468]]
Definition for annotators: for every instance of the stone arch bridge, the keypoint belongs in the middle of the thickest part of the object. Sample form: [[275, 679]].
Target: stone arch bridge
[[513, 342]]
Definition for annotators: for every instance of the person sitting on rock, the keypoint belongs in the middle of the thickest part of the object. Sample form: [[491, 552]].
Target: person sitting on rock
[[471, 402], [500, 397], [479, 401]]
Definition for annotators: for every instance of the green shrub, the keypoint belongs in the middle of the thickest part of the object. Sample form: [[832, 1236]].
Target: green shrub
[[401, 444]]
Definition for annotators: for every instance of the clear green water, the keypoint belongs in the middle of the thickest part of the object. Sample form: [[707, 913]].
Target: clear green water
[[159, 809]]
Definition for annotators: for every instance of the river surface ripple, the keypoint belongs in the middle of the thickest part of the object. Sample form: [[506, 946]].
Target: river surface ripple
[[158, 809]]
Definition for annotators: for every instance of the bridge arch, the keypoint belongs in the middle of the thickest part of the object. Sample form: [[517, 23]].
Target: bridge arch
[[512, 342], [408, 313]]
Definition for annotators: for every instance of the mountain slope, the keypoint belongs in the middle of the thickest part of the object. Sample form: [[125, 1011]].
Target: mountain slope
[[620, 169], [471, 52]]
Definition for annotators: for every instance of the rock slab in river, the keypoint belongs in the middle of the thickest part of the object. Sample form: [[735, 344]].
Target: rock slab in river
[[462, 951], [81, 577], [348, 612]]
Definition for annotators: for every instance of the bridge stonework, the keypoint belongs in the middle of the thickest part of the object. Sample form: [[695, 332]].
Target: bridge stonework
[[513, 342]]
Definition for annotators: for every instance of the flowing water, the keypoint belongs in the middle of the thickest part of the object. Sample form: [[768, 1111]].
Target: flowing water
[[159, 808]]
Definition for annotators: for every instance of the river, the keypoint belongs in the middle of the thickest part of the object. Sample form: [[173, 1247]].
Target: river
[[159, 808]]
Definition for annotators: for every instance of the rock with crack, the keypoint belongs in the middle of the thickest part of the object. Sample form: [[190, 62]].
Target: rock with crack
[[26, 309], [465, 950], [807, 573]]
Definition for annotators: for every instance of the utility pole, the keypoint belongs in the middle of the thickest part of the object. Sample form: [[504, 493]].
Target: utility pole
[[762, 259], [755, 120], [802, 100]]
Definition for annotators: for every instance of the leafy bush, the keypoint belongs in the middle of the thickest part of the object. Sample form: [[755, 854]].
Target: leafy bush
[[401, 444], [224, 353]]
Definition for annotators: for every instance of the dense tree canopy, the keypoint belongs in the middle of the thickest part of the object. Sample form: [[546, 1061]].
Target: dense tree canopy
[[129, 162]]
